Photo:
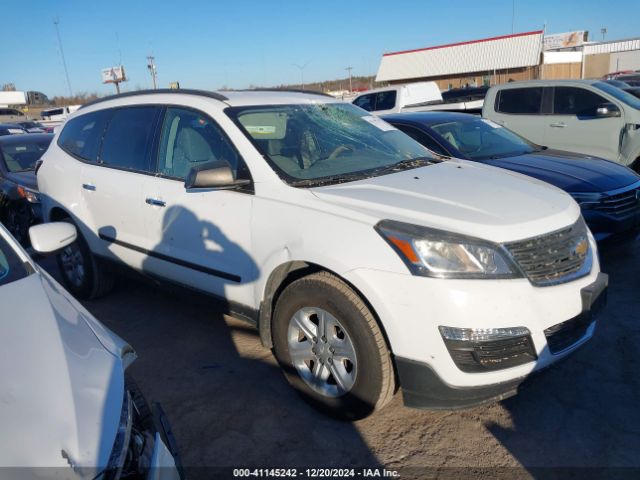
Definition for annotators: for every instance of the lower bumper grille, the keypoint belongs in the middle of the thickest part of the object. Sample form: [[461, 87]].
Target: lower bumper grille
[[491, 355], [563, 335]]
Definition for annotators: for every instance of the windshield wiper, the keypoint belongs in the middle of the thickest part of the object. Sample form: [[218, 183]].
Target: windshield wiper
[[408, 164], [332, 180]]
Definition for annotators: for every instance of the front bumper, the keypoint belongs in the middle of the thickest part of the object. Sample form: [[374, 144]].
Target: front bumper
[[422, 387], [411, 309]]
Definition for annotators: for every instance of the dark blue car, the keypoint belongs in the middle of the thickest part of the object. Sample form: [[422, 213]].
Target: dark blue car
[[608, 193]]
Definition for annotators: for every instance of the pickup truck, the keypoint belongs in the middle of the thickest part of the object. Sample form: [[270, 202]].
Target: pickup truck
[[420, 97]]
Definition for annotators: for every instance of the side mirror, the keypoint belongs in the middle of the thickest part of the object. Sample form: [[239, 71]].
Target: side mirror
[[51, 237], [214, 175], [607, 110]]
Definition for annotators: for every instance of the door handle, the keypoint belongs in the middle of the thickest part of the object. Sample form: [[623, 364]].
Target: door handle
[[88, 186], [558, 125], [155, 202]]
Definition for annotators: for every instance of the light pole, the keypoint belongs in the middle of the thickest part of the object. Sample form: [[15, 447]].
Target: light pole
[[603, 31], [64, 62], [513, 15], [302, 67]]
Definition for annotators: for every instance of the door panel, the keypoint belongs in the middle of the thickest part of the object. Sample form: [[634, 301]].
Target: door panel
[[200, 238], [575, 127], [112, 189]]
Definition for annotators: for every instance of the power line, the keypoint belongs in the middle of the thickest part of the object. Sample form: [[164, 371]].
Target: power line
[[64, 62]]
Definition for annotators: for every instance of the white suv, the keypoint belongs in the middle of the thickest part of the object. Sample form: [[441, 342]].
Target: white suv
[[366, 263]]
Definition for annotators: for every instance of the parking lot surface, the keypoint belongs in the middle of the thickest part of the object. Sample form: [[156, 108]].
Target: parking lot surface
[[230, 406]]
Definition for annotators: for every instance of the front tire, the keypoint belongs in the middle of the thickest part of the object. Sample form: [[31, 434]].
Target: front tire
[[331, 348], [82, 274]]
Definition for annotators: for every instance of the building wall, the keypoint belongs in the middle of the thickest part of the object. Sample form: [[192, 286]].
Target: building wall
[[479, 78], [556, 71], [596, 66], [624, 61]]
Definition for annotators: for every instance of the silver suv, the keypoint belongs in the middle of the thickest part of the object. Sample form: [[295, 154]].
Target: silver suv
[[585, 116]]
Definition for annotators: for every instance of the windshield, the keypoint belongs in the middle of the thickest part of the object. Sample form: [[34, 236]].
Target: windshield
[[327, 142], [621, 95], [11, 267], [22, 156], [481, 139]]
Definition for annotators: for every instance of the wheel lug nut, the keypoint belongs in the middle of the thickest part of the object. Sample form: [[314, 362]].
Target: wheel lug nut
[[329, 360], [324, 339], [332, 350], [315, 339]]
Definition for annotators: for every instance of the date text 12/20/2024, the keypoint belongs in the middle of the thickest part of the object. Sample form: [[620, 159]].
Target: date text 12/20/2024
[[315, 473]]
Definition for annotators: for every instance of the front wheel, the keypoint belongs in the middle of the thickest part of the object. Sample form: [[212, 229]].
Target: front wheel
[[82, 274], [331, 348]]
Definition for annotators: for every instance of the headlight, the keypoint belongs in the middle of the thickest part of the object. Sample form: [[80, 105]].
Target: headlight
[[435, 253], [29, 195], [121, 442]]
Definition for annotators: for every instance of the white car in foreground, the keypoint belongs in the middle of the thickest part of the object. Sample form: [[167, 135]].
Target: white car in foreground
[[366, 263], [66, 410]]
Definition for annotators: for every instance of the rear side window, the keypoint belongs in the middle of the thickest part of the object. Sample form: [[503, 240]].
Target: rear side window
[[386, 100], [367, 102], [576, 101], [519, 100], [128, 141], [81, 135]]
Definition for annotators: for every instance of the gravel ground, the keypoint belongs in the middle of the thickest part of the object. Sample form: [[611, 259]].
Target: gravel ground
[[231, 407]]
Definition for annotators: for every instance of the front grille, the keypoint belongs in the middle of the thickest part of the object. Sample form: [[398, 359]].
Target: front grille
[[620, 205], [565, 334], [556, 257]]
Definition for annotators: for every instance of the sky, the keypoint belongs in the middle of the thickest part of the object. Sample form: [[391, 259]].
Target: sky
[[242, 43]]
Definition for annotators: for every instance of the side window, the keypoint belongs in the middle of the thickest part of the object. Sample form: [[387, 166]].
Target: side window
[[128, 141], [576, 101], [519, 100], [81, 136], [190, 138], [423, 138], [366, 102], [386, 100]]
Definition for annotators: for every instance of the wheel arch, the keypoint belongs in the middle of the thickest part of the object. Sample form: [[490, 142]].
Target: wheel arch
[[285, 274]]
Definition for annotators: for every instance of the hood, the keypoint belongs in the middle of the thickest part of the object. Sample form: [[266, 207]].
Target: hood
[[571, 172], [61, 391], [26, 179], [462, 197]]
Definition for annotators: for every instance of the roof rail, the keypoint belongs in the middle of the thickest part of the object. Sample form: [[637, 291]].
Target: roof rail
[[202, 93], [284, 90]]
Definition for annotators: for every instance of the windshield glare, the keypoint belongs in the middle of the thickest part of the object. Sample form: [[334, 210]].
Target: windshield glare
[[480, 139], [325, 140], [11, 267], [621, 95], [22, 156]]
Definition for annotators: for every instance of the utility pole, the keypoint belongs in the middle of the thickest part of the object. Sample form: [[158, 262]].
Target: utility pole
[[64, 62], [350, 85], [152, 69]]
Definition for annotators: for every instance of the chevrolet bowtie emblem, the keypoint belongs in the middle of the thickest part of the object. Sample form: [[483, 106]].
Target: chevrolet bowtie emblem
[[581, 247]]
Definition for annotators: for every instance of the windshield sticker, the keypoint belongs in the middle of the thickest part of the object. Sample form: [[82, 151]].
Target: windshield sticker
[[490, 123], [379, 123], [261, 129]]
